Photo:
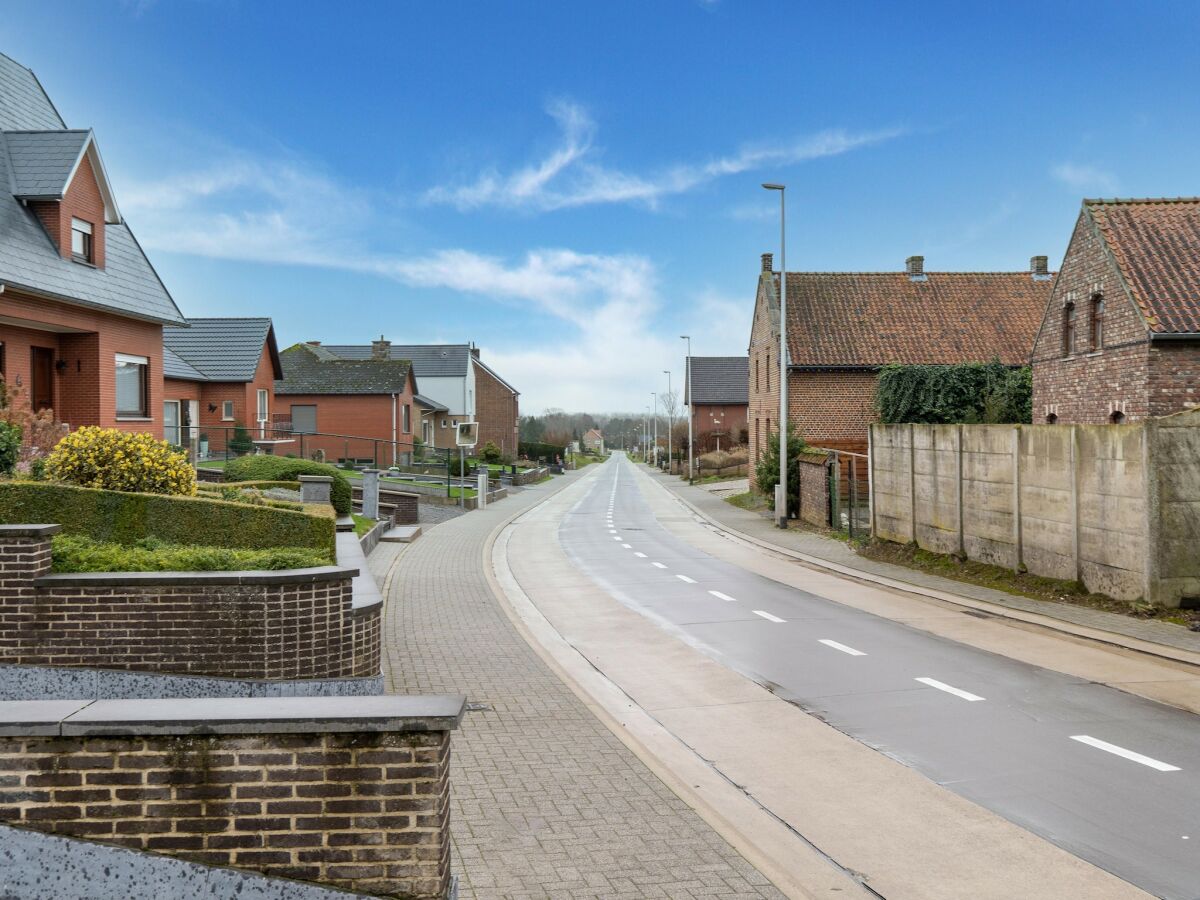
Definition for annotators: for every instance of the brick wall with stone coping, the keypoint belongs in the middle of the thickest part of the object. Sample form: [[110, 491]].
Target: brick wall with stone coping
[[348, 792], [288, 624], [814, 488]]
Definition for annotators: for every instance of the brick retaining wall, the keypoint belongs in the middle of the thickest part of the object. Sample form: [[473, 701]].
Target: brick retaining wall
[[298, 623]]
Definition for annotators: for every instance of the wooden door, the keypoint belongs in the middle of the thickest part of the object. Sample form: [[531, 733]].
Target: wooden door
[[41, 388]]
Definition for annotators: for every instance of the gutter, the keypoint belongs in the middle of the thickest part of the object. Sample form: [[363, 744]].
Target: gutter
[[86, 304], [394, 429], [1156, 336]]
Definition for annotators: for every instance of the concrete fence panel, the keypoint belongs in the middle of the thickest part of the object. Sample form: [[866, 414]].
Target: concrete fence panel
[[1174, 477], [989, 507], [1048, 501], [891, 483], [936, 485]]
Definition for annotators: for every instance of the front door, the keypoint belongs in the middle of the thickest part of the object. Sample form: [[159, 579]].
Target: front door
[[41, 388]]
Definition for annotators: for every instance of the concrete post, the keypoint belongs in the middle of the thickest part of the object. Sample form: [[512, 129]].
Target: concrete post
[[482, 481], [958, 492], [1075, 501], [871, 478], [912, 484], [1018, 562], [1151, 593], [315, 488], [370, 493]]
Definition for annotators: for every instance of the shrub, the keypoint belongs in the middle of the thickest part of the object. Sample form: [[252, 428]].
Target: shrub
[[539, 450], [126, 518], [491, 453], [718, 459], [738, 457], [241, 441], [10, 447], [118, 460], [766, 473], [459, 467], [76, 553], [281, 468], [970, 393]]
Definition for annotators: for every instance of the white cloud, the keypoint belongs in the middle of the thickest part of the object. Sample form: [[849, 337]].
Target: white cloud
[[569, 177], [1086, 178]]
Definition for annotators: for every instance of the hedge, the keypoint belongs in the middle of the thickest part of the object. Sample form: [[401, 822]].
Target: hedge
[[127, 518], [969, 393], [76, 553], [285, 468], [264, 485], [538, 450]]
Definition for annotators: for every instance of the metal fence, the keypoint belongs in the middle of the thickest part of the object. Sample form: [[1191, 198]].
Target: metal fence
[[849, 494]]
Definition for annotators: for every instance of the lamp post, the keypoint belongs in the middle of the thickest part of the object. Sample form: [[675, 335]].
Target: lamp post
[[654, 395], [646, 436], [691, 401], [781, 511], [670, 420]]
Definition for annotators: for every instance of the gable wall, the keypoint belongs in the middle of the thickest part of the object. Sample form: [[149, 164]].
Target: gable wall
[[82, 200], [1087, 386], [496, 411], [762, 411]]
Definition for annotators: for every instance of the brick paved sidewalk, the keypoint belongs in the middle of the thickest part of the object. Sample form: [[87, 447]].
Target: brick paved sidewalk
[[546, 802], [835, 551]]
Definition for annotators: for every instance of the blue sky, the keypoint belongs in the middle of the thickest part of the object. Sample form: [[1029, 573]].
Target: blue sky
[[574, 185]]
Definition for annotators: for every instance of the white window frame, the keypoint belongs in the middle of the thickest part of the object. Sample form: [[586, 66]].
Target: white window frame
[[226, 410], [406, 418], [263, 411], [80, 226], [144, 413], [443, 423]]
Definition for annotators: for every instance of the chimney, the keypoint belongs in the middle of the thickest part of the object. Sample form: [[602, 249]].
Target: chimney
[[313, 343], [915, 267], [1039, 267], [768, 260], [381, 349]]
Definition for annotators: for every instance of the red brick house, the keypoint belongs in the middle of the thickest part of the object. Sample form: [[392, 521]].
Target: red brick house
[[717, 394], [844, 326], [497, 407], [81, 308], [219, 373], [349, 404], [593, 439], [1120, 339]]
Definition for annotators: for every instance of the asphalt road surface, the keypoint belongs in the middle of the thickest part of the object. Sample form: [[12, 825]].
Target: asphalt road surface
[[1112, 778]]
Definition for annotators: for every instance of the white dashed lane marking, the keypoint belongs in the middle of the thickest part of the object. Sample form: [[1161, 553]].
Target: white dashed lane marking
[[639, 554], [836, 646], [1122, 752], [658, 565], [685, 578], [957, 692], [768, 616], [724, 597]]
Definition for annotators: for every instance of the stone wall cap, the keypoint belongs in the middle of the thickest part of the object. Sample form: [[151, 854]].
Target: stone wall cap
[[233, 715], [177, 579], [28, 531], [316, 479]]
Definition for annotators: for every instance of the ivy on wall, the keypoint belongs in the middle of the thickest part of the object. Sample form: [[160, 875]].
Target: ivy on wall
[[969, 393]]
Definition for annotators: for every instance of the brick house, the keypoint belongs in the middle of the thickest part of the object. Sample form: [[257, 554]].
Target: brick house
[[844, 326], [1120, 339], [456, 386], [321, 392], [219, 373], [593, 439], [717, 395], [81, 308]]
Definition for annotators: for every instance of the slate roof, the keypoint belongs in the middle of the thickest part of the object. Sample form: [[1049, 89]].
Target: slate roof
[[308, 369], [223, 349], [428, 360], [29, 261], [869, 319], [1156, 246], [42, 162], [175, 366], [718, 380], [428, 403]]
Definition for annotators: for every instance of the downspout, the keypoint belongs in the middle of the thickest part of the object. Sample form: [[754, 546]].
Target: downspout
[[394, 429]]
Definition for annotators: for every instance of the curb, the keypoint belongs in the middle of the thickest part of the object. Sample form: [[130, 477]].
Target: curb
[[1049, 623]]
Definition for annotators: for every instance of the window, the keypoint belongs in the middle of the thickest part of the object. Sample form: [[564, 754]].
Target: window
[[1068, 332], [262, 406], [406, 418], [132, 386], [81, 241], [1096, 324], [443, 423], [227, 411], [304, 418]]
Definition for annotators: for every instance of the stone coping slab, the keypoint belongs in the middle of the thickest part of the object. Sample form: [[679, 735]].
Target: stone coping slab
[[29, 531], [236, 715], [168, 579], [315, 479]]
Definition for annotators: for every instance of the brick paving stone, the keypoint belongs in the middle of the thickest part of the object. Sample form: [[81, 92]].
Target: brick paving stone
[[836, 551], [545, 800]]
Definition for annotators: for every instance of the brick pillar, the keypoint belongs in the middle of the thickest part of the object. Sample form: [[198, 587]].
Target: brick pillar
[[24, 556]]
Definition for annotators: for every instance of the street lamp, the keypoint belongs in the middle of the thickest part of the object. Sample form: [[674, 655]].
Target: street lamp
[[691, 401], [654, 395], [781, 490], [670, 419]]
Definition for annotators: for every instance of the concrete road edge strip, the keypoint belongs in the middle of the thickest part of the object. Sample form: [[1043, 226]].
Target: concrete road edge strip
[[782, 855], [1050, 623]]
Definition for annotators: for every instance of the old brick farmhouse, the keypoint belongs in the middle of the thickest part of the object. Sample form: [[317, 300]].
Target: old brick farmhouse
[[717, 393], [844, 326], [1120, 339]]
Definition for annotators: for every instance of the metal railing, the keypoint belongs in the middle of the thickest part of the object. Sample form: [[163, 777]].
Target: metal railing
[[849, 494]]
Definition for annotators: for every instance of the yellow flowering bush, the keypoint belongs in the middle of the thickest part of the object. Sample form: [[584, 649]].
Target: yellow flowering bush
[[118, 460]]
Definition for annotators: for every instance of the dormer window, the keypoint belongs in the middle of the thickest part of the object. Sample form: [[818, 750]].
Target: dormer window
[[81, 242]]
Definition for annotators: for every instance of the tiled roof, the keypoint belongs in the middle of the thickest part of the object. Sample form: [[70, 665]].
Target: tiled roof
[[41, 162], [1156, 245], [426, 402], [223, 349], [718, 379], [175, 366], [308, 370], [428, 360], [29, 261], [868, 319]]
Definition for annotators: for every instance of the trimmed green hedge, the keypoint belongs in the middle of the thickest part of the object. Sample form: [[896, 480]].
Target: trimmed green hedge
[[76, 553], [283, 468], [540, 450], [126, 518], [970, 394], [261, 485]]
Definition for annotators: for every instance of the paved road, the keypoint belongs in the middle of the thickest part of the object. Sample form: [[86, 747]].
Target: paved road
[[1110, 777]]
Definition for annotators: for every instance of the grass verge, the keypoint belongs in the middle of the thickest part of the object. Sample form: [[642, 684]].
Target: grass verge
[[749, 500]]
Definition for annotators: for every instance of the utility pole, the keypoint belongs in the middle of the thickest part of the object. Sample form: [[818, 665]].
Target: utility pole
[[670, 420], [654, 395], [781, 500], [690, 406]]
